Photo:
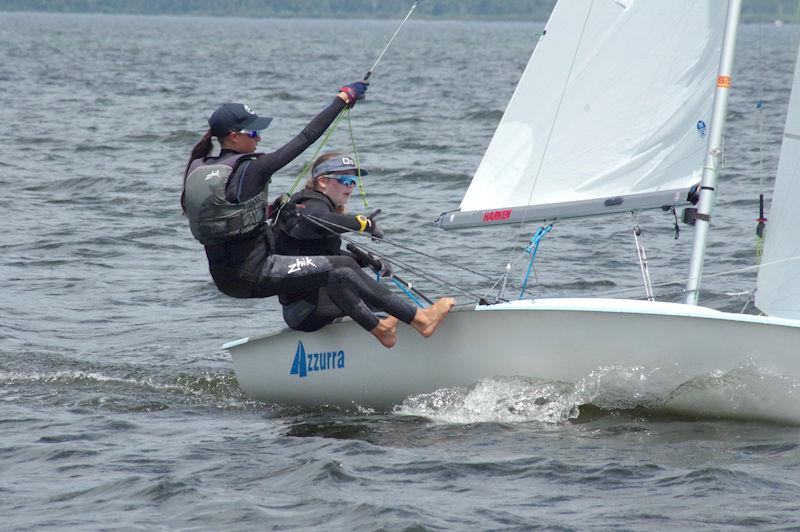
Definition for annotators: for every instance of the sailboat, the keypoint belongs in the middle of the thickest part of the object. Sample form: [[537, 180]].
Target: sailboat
[[621, 108]]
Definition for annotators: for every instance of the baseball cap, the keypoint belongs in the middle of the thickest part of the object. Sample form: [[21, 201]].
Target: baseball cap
[[235, 117]]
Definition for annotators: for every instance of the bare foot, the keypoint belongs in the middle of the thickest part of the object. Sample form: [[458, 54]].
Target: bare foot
[[427, 319], [386, 331]]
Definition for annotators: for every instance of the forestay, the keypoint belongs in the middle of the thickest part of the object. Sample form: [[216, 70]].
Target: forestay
[[778, 287], [609, 114]]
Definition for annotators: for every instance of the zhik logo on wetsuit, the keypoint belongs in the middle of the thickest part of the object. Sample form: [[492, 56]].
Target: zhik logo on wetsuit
[[300, 263], [304, 363]]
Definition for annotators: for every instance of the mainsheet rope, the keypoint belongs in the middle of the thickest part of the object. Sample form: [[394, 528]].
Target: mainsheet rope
[[344, 113], [442, 282], [329, 226]]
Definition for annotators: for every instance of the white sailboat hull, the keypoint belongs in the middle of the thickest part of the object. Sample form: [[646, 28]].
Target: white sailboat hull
[[552, 339]]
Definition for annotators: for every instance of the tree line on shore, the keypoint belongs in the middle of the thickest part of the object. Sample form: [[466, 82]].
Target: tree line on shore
[[752, 10]]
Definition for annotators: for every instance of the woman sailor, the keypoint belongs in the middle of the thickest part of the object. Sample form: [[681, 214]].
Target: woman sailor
[[311, 226], [225, 199]]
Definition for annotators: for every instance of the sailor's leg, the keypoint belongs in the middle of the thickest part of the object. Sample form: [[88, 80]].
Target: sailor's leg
[[312, 313], [424, 320], [284, 274]]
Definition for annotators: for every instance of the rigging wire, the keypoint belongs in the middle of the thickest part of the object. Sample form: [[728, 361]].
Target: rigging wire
[[330, 226], [552, 125], [761, 220], [307, 166], [346, 113], [380, 56], [637, 232], [682, 281]]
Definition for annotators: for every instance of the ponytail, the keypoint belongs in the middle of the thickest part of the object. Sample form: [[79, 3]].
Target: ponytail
[[200, 150]]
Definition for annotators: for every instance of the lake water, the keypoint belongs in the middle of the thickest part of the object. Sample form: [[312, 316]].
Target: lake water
[[120, 410]]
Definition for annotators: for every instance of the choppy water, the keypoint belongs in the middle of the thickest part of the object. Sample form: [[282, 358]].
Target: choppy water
[[119, 410]]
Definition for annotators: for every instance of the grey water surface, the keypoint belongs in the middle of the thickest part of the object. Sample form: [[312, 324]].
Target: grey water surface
[[120, 410]]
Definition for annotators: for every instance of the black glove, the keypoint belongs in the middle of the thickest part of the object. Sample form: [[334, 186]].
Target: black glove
[[385, 269], [275, 207], [374, 230], [355, 91], [373, 227]]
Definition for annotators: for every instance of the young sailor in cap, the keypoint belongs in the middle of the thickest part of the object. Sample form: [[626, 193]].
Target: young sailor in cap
[[314, 229]]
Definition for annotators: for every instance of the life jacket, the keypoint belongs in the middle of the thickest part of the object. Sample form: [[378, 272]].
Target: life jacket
[[296, 235], [213, 219]]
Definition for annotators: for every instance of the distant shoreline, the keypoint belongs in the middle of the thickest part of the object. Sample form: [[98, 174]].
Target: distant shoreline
[[354, 16], [763, 11]]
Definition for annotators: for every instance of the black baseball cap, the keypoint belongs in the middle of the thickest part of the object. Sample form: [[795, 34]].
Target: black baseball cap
[[235, 117]]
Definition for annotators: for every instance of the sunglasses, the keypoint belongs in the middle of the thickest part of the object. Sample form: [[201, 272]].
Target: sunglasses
[[250, 133], [346, 180]]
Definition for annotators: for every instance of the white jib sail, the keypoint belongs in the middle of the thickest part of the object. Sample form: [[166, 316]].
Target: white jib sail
[[613, 103], [778, 287]]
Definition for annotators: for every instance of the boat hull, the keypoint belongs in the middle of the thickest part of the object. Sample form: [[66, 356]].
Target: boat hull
[[551, 339]]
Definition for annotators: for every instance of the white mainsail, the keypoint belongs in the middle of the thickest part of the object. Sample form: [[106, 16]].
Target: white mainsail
[[778, 287], [611, 110]]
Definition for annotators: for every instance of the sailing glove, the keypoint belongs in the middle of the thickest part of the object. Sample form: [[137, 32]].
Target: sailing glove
[[355, 91], [275, 207], [385, 269], [373, 228]]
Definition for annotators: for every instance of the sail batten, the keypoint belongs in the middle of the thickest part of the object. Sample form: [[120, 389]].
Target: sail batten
[[613, 103]]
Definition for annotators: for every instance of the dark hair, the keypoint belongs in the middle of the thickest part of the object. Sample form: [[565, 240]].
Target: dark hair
[[200, 150]]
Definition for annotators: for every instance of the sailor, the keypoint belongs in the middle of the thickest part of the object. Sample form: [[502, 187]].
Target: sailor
[[225, 199], [311, 227]]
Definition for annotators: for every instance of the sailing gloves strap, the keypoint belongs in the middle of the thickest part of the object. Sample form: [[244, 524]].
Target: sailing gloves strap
[[355, 91]]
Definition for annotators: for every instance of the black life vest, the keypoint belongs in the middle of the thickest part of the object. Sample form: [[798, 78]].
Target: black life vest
[[297, 235], [213, 219]]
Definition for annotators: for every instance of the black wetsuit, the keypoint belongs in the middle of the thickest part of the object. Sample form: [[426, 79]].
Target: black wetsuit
[[245, 266], [348, 292]]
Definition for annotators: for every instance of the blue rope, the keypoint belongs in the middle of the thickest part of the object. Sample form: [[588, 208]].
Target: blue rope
[[407, 292], [402, 287], [534, 244]]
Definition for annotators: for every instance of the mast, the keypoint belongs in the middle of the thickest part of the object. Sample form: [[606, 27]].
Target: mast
[[708, 183]]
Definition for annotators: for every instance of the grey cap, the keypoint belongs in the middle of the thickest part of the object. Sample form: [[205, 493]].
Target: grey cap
[[235, 117], [336, 164]]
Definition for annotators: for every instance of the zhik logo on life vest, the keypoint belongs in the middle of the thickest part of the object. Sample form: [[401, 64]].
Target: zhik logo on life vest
[[304, 363], [300, 263], [212, 174]]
